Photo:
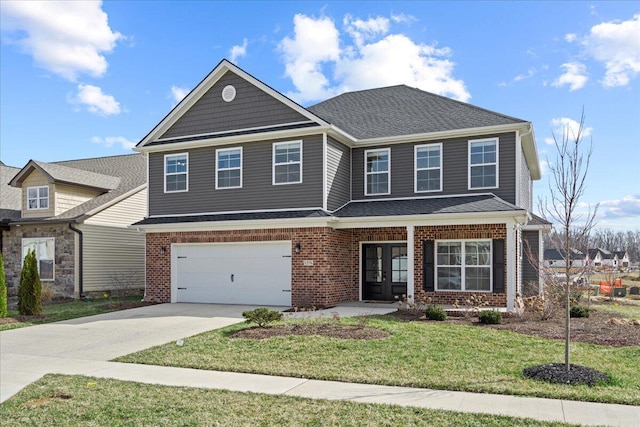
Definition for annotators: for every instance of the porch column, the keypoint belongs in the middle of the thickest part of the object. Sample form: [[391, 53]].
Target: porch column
[[512, 259], [410, 263]]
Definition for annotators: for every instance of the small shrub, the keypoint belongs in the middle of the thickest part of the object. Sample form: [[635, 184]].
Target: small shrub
[[30, 288], [47, 294], [262, 316], [579, 311], [3, 290], [434, 312], [490, 317]]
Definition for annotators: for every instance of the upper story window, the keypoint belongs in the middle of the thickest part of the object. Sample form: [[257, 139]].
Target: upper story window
[[483, 163], [38, 197], [44, 247], [287, 162], [377, 171], [463, 265], [176, 172], [428, 168], [229, 168]]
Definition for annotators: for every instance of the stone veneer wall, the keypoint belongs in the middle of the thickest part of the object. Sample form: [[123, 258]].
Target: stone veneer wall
[[63, 285], [488, 231]]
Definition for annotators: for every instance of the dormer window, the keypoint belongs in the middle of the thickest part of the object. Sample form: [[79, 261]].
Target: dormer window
[[38, 197]]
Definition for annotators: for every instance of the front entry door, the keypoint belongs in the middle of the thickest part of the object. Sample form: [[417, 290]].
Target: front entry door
[[384, 271]]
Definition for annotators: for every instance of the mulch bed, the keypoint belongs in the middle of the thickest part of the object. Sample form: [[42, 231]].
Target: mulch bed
[[598, 328]]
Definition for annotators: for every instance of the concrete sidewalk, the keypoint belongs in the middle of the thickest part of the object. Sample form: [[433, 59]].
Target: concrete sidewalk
[[84, 346]]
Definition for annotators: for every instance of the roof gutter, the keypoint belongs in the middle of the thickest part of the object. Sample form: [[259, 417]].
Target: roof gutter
[[80, 257]]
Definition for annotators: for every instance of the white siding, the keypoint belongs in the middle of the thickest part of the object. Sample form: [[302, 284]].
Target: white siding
[[70, 196], [110, 253], [124, 213]]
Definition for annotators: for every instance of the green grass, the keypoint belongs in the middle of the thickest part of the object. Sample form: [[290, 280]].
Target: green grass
[[417, 354], [58, 400], [628, 308], [66, 311]]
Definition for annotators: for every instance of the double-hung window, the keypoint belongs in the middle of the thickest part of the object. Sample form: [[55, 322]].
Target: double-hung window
[[483, 163], [377, 172], [38, 197], [44, 247], [463, 265], [229, 168], [287, 162], [428, 168], [176, 172]]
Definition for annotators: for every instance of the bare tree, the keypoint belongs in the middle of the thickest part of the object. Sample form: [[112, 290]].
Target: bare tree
[[567, 185]]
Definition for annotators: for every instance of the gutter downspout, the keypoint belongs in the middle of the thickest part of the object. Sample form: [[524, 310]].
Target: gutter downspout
[[81, 264]]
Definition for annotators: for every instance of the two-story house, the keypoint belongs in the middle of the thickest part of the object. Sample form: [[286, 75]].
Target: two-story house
[[371, 195], [76, 215]]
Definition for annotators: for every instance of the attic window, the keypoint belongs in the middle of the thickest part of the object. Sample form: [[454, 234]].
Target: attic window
[[228, 93]]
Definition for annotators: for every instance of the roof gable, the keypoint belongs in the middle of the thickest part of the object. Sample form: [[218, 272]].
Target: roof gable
[[204, 112]]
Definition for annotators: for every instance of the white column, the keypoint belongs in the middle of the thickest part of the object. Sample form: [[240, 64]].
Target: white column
[[512, 259], [410, 264]]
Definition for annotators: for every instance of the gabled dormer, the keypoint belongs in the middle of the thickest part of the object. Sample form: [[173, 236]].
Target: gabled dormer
[[50, 189]]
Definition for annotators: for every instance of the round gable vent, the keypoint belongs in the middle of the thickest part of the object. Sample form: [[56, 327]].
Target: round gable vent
[[228, 93]]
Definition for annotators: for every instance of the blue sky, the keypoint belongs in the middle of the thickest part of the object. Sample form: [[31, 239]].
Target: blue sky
[[88, 79]]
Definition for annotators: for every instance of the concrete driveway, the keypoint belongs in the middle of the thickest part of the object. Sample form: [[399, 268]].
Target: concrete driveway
[[70, 347]]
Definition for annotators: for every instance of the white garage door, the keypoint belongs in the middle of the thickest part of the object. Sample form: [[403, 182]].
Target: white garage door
[[256, 273]]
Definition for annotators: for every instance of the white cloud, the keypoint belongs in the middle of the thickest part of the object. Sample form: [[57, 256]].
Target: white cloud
[[178, 93], [67, 38], [565, 126], [575, 76], [530, 73], [626, 207], [570, 37], [616, 44], [110, 141], [374, 57], [238, 51], [96, 101]]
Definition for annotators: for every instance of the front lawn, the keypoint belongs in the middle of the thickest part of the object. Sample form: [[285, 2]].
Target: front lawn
[[68, 310], [417, 354], [58, 400]]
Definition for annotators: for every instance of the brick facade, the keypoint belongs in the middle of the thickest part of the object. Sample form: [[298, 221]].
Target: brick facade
[[488, 231], [335, 274], [63, 285]]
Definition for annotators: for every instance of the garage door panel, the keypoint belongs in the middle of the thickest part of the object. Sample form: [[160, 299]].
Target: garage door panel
[[232, 273]]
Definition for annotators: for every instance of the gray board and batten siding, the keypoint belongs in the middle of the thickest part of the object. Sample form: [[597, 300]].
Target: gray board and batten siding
[[338, 174], [257, 192], [251, 108], [455, 164]]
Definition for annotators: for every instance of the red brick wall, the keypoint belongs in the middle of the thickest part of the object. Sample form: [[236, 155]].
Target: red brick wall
[[488, 231], [326, 283]]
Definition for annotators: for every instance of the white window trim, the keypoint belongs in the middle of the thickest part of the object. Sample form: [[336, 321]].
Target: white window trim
[[164, 172], [222, 150], [38, 208], [37, 239], [388, 172], [497, 163], [462, 266], [274, 164], [415, 167]]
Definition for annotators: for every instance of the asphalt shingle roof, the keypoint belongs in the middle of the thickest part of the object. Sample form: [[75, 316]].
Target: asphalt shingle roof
[[73, 175], [10, 197], [128, 172], [402, 110], [235, 217]]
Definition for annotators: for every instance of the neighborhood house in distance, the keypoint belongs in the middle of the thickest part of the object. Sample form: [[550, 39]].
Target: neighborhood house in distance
[[591, 258], [372, 195], [75, 215]]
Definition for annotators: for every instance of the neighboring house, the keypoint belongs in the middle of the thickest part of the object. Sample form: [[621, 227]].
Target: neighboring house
[[621, 259], [10, 199], [556, 258], [599, 257], [75, 215], [372, 195]]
